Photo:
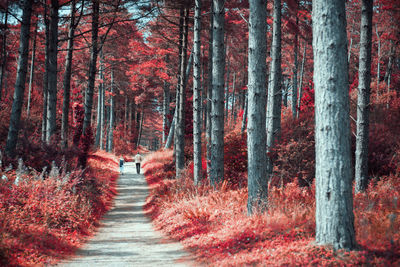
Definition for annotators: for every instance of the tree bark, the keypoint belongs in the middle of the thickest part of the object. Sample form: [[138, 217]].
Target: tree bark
[[303, 61], [217, 105], [334, 202], [244, 117], [92, 67], [209, 93], [180, 122], [52, 72], [4, 52], [45, 75], [378, 74], [16, 109], [256, 135], [100, 106], [165, 111], [233, 111], [67, 78], [110, 144], [363, 99], [227, 82], [31, 73], [294, 87], [197, 94], [274, 90]]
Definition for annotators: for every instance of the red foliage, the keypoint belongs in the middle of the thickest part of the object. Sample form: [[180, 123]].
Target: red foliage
[[214, 226], [43, 221]]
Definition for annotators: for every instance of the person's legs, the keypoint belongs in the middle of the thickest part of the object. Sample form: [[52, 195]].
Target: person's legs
[[121, 169], [138, 168]]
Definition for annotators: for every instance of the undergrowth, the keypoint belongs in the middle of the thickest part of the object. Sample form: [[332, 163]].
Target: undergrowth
[[45, 218], [213, 223]]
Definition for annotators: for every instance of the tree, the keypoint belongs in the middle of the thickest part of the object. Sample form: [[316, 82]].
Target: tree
[[92, 66], [334, 202], [197, 94], [363, 99], [209, 93], [52, 72], [16, 109], [256, 135], [181, 97], [4, 51], [274, 90], [67, 74], [217, 104]]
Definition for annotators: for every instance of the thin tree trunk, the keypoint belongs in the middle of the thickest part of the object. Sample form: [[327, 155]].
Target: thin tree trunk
[[388, 73], [18, 100], [256, 135], [140, 128], [349, 53], [52, 72], [227, 82], [31, 73], [274, 91], [180, 122], [209, 93], [67, 78], [165, 111], [45, 75], [102, 103], [363, 99], [110, 145], [334, 201], [92, 67], [303, 61], [4, 52], [233, 111], [294, 87], [378, 71], [197, 94], [244, 117]]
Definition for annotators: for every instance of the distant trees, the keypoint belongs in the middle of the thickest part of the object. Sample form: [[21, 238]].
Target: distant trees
[[334, 201]]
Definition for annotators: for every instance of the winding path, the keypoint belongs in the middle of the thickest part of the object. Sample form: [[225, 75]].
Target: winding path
[[126, 236]]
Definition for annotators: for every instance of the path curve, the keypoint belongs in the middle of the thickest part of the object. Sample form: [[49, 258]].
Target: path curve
[[126, 236]]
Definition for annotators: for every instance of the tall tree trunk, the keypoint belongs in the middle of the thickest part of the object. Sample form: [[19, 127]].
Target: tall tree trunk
[[227, 82], [233, 111], [285, 88], [31, 72], [303, 61], [165, 111], [244, 117], [180, 122], [388, 73], [294, 87], [16, 109], [363, 99], [378, 71], [52, 72], [274, 91], [197, 94], [92, 67], [217, 104], [103, 95], [209, 93], [256, 135], [4, 52], [67, 78], [45, 75], [140, 128], [334, 201], [110, 144]]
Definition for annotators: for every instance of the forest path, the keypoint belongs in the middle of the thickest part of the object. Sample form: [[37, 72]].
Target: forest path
[[126, 236]]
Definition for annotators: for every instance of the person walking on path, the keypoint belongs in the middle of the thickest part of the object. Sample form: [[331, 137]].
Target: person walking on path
[[121, 165], [138, 160]]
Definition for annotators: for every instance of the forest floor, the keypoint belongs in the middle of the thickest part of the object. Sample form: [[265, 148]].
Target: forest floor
[[126, 236]]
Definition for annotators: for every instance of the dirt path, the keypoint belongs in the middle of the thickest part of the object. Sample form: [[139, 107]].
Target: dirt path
[[126, 236]]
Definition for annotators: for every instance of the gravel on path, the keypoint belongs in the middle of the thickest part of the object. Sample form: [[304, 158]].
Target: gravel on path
[[126, 236]]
